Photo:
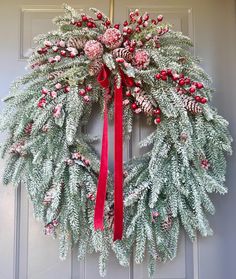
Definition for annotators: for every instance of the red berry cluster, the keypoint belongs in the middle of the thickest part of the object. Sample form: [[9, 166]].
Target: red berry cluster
[[135, 106], [91, 196], [84, 21], [58, 50], [205, 164], [136, 24], [52, 94], [84, 92], [28, 128], [106, 23], [49, 229], [18, 148], [89, 22], [141, 20], [157, 114], [184, 84], [76, 156]]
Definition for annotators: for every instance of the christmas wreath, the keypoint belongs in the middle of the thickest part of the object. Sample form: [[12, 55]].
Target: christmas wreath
[[142, 67]]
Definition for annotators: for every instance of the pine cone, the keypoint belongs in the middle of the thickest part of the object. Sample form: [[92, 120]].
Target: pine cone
[[55, 75], [95, 67], [191, 105], [77, 43], [145, 103], [122, 53], [182, 60], [167, 223]]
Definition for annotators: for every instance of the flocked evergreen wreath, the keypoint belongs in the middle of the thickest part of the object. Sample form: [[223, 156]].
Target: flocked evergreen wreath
[[50, 153]]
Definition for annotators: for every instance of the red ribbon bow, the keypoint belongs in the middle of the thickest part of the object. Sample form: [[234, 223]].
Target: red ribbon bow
[[103, 80]]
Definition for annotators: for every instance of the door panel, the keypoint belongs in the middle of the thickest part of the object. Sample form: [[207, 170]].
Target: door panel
[[27, 253], [7, 211]]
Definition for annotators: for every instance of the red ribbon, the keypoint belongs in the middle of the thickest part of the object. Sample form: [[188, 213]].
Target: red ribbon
[[103, 80], [118, 164]]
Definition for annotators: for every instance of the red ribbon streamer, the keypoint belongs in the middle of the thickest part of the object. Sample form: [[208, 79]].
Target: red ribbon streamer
[[118, 167], [103, 80]]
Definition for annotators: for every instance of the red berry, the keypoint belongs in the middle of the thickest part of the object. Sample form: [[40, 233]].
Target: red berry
[[134, 106], [192, 89], [175, 77], [146, 17], [42, 102], [169, 72], [72, 55], [90, 24], [181, 75], [157, 120], [145, 24], [199, 85], [181, 82], [78, 23], [197, 98], [203, 100], [140, 20], [137, 90], [44, 49], [126, 23], [128, 93], [154, 21], [108, 23], [160, 18], [63, 53], [84, 18], [129, 31], [89, 88], [164, 77], [163, 72], [55, 48], [99, 16], [44, 91], [159, 31], [181, 91], [138, 29], [40, 51], [187, 81], [67, 89], [82, 92], [117, 26], [86, 99], [158, 76], [156, 111], [131, 49], [166, 29], [48, 44]]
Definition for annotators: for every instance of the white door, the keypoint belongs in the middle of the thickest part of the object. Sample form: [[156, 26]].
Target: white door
[[25, 253]]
